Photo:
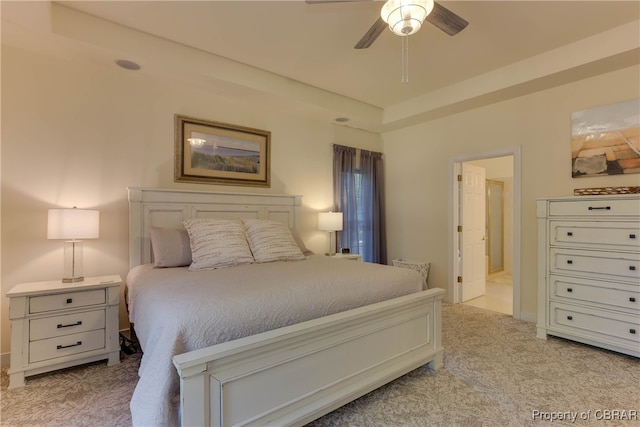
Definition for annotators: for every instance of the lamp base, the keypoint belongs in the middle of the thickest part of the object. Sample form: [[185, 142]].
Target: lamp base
[[72, 262]]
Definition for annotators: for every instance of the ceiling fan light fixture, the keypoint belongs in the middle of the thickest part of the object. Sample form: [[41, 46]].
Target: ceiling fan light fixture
[[405, 17]]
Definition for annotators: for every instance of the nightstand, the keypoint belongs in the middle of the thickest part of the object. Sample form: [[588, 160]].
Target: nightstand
[[56, 325], [351, 257]]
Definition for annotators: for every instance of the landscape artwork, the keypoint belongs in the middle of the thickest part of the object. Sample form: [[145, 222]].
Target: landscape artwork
[[606, 140], [221, 153]]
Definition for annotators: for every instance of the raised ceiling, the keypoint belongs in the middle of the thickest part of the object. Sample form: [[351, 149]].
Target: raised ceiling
[[313, 44]]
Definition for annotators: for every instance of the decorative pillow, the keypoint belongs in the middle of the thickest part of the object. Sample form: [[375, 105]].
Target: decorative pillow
[[217, 243], [171, 247], [271, 241]]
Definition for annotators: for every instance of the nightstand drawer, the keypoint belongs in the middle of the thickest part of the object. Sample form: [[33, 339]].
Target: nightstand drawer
[[67, 345], [57, 326], [67, 300]]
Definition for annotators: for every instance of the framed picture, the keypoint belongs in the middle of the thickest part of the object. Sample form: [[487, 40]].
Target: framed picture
[[606, 140], [220, 153]]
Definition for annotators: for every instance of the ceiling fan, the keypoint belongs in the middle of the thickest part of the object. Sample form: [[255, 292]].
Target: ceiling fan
[[405, 17]]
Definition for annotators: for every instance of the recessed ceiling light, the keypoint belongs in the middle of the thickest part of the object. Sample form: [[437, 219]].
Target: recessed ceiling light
[[127, 65], [341, 119]]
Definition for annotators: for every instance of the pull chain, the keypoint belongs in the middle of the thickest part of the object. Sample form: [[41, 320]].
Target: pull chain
[[405, 60]]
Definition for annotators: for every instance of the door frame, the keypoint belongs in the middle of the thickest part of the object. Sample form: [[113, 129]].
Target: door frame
[[453, 293]]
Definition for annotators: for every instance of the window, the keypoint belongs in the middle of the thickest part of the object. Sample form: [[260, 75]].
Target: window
[[359, 195]]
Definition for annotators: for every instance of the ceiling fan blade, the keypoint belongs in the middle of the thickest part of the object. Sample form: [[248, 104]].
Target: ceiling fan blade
[[376, 29], [446, 20]]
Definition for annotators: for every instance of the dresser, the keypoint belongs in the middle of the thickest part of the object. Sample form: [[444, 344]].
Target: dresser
[[589, 270], [56, 325]]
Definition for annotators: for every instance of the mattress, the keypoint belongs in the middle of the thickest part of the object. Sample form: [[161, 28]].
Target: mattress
[[176, 310]]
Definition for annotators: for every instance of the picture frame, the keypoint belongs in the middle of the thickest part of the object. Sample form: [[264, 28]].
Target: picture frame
[[605, 140], [221, 153]]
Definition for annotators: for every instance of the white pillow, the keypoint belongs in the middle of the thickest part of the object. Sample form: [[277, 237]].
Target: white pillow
[[171, 248], [271, 241], [217, 243]]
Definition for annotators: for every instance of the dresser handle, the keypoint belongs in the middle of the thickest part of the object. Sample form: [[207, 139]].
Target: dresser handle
[[69, 300], [632, 236], [600, 208], [632, 299], [78, 323], [632, 267], [569, 289], [569, 261], [70, 345], [632, 331], [569, 317], [569, 233]]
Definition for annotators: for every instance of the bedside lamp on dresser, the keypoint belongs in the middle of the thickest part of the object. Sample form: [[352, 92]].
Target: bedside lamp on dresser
[[62, 323], [72, 225]]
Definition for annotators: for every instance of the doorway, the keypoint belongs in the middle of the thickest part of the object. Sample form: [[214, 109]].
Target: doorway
[[502, 233]]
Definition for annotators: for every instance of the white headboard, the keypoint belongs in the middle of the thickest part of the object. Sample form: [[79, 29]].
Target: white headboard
[[153, 207]]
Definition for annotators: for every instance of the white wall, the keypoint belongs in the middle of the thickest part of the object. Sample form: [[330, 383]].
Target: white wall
[[78, 134], [417, 161]]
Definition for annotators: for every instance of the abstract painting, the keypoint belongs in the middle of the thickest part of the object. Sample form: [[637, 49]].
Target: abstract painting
[[606, 140]]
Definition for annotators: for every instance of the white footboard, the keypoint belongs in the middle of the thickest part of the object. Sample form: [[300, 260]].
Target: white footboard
[[293, 375]]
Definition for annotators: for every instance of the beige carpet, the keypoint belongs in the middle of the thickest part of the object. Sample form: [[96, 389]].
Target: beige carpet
[[496, 373]]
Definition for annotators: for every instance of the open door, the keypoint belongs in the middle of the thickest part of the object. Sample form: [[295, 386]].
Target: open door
[[472, 237]]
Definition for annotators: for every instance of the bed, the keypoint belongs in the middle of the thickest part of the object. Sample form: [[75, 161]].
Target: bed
[[298, 344]]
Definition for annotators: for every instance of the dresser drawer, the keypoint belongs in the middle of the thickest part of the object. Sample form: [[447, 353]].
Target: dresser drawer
[[57, 326], [595, 292], [625, 266], [66, 345], [53, 302], [594, 208], [620, 235], [589, 321]]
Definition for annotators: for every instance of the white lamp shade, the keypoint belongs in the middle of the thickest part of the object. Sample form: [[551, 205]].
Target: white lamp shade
[[405, 17], [73, 224], [330, 221]]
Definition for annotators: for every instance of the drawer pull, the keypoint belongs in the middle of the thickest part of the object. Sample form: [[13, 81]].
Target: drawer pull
[[70, 345], [569, 317], [632, 299], [632, 267], [569, 290], [599, 208], [632, 236], [632, 331], [78, 323], [69, 300], [569, 261], [569, 233]]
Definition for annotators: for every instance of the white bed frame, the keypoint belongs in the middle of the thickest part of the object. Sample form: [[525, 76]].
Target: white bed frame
[[295, 374]]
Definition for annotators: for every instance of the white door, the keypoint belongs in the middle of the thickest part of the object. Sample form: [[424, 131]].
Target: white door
[[473, 232]]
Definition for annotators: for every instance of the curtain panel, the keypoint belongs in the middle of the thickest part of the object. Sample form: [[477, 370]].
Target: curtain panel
[[358, 179]]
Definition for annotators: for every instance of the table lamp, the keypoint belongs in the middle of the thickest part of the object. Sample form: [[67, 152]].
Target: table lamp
[[331, 222], [71, 225]]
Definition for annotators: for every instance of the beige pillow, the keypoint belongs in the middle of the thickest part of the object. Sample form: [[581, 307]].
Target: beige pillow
[[171, 248], [271, 241], [217, 243]]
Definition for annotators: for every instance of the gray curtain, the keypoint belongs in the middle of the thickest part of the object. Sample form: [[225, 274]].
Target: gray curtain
[[358, 179]]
